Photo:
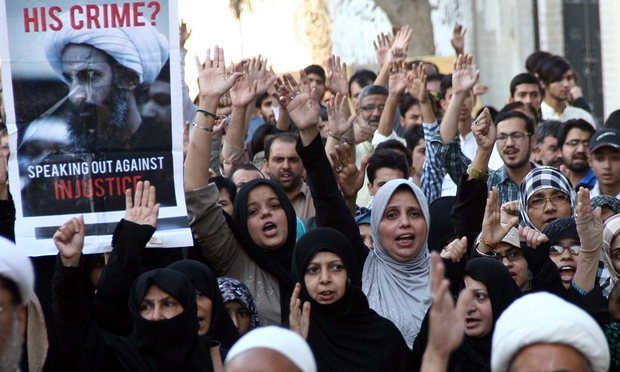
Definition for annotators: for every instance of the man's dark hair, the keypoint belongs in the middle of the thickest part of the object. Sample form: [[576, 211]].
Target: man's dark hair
[[317, 70], [446, 83], [225, 183], [552, 69], [574, 124], [245, 166], [413, 136], [260, 137], [531, 63], [529, 123], [386, 159], [286, 137], [396, 146], [523, 78], [11, 287], [259, 101], [518, 105], [406, 102], [362, 78], [549, 128]]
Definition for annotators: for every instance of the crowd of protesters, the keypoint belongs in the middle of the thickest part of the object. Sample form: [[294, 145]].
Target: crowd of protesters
[[347, 221]]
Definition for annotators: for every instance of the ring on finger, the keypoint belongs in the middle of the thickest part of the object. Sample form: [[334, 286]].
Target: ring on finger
[[338, 168]]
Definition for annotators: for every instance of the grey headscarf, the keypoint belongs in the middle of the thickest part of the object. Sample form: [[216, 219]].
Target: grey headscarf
[[398, 291]]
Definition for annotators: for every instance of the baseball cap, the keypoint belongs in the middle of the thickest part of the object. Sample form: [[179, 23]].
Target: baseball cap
[[605, 137]]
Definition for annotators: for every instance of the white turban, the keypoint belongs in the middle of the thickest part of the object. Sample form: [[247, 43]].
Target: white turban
[[545, 318], [282, 340], [16, 266], [141, 49]]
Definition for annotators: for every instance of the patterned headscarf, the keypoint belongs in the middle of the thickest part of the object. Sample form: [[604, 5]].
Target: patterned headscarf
[[539, 179], [606, 201], [610, 232], [234, 290]]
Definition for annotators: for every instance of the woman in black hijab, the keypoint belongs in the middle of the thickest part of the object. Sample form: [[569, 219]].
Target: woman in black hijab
[[268, 241], [162, 304], [344, 333], [493, 291], [214, 324]]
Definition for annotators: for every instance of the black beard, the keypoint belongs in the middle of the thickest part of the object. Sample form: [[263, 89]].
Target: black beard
[[579, 168], [84, 119]]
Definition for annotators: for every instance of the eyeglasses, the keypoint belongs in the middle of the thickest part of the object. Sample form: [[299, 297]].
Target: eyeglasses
[[556, 250], [371, 108], [554, 199], [576, 142], [515, 136], [512, 254]]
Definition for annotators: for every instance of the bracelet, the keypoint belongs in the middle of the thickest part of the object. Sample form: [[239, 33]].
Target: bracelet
[[207, 114], [202, 127], [579, 290], [477, 174]]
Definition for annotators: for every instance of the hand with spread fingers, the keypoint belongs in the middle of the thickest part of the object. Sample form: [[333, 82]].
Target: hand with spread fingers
[[244, 90], [464, 77], [212, 79], [258, 72], [416, 83], [382, 47], [142, 208], [337, 115], [299, 317], [303, 103], [349, 177], [399, 79], [337, 76], [69, 240]]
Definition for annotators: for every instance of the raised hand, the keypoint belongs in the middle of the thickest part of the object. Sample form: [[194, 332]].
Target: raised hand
[[416, 83], [402, 38], [244, 89], [349, 177], [382, 47], [493, 230], [303, 103], [485, 131], [531, 237], [399, 79], [184, 34], [212, 79], [508, 210], [464, 77], [337, 76], [258, 72], [142, 208], [299, 317], [446, 323], [458, 38], [455, 250], [69, 240], [589, 224], [337, 115], [363, 132]]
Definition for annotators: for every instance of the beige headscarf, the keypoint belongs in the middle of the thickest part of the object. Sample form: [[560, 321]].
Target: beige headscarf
[[610, 232]]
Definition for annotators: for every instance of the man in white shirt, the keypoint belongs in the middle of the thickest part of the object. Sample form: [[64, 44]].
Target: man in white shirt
[[556, 76]]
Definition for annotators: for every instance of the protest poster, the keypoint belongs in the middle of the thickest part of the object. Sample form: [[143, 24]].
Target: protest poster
[[92, 92]]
